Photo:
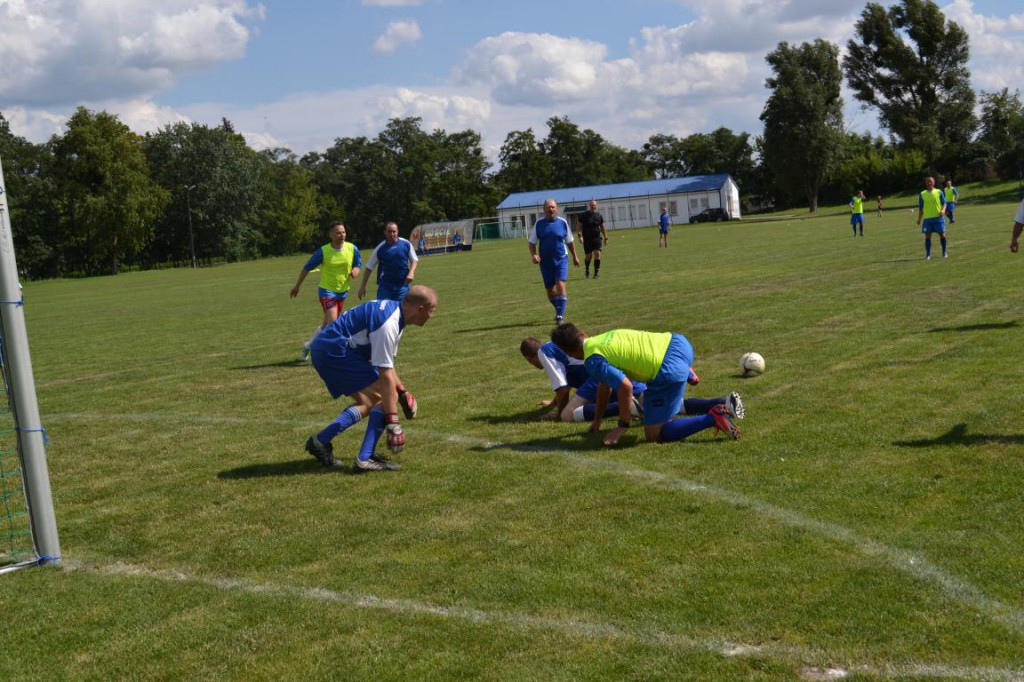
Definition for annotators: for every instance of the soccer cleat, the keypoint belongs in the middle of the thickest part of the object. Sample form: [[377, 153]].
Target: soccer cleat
[[375, 463], [945, 255], [595, 275], [723, 422], [407, 401], [588, 274], [559, 319], [324, 452], [734, 403], [927, 257], [305, 353]]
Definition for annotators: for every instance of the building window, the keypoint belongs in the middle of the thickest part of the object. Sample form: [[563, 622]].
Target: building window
[[622, 214], [641, 212], [673, 209]]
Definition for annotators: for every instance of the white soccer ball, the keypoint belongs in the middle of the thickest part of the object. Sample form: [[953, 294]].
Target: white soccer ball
[[752, 364]]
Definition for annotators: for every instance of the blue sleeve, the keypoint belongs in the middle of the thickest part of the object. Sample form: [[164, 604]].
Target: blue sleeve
[[601, 370], [315, 261], [357, 258]]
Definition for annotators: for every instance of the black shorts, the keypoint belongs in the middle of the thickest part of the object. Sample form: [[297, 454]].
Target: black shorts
[[591, 245]]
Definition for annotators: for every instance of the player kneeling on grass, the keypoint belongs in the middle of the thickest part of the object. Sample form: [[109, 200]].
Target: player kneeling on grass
[[566, 373], [620, 357], [355, 356]]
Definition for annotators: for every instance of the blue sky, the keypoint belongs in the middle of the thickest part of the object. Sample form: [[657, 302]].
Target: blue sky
[[300, 74]]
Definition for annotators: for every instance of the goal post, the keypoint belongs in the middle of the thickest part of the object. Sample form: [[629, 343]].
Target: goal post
[[24, 408]]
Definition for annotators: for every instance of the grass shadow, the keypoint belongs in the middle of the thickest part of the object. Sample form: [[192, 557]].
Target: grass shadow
[[514, 325], [526, 417], [271, 365], [575, 441], [983, 326], [298, 467], [958, 436]]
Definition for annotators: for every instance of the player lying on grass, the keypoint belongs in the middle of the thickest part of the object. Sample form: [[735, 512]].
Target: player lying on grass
[[620, 357], [355, 356], [566, 373]]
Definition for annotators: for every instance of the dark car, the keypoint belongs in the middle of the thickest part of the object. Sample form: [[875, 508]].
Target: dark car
[[710, 215]]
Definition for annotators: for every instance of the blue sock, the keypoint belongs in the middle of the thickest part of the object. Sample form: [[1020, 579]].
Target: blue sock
[[346, 419], [927, 247], [681, 427], [374, 429], [589, 410], [560, 303], [943, 240], [693, 406]]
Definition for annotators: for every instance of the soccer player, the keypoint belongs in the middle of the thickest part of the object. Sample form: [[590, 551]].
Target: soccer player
[[593, 235], [952, 195], [397, 259], [619, 358], [339, 262], [550, 242], [931, 211], [664, 222], [355, 356], [1018, 227], [857, 212], [879, 200], [457, 241], [566, 372]]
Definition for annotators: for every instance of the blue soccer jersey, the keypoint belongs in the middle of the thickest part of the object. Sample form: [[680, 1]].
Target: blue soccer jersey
[[372, 330], [393, 261], [550, 237], [561, 369]]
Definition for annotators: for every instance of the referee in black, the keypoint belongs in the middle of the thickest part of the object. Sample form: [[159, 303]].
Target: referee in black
[[593, 235]]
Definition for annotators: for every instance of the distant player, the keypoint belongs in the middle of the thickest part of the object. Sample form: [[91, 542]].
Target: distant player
[[931, 211], [339, 262], [397, 263], [879, 200], [1018, 227], [952, 195], [594, 236], [664, 223], [457, 241], [355, 356], [620, 357], [550, 242], [857, 212]]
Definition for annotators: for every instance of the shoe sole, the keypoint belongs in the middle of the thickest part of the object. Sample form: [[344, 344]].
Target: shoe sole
[[734, 403]]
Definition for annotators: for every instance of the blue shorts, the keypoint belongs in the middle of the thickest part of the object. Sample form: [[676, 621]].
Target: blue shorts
[[390, 293], [343, 370], [856, 218], [588, 391], [929, 225], [664, 396], [663, 230], [552, 273]]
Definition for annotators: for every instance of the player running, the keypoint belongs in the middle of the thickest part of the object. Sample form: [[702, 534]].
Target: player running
[[550, 242]]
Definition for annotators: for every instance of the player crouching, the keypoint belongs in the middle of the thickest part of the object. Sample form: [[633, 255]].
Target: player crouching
[[355, 356]]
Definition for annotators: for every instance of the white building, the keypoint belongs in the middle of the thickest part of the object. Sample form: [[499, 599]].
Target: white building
[[629, 204]]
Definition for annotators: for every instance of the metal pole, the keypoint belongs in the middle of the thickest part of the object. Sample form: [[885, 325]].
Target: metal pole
[[191, 238], [22, 389]]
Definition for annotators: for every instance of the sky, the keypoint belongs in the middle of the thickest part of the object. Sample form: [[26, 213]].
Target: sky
[[301, 73]]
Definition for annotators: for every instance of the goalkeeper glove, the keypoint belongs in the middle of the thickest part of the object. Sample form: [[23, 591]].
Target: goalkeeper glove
[[407, 401], [394, 433]]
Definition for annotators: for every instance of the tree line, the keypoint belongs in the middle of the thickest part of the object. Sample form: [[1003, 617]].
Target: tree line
[[99, 198]]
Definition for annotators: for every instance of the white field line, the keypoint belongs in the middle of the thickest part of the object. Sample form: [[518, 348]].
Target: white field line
[[900, 559], [569, 628]]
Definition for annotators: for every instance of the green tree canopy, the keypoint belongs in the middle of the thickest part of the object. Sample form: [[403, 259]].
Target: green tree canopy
[[910, 64], [803, 118]]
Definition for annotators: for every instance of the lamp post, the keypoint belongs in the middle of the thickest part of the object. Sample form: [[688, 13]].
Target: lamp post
[[191, 238]]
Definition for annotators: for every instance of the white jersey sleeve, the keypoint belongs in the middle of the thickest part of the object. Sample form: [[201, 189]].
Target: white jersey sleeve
[[384, 341], [531, 236], [555, 371], [372, 262]]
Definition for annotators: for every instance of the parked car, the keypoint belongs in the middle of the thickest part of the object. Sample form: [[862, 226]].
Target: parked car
[[710, 215]]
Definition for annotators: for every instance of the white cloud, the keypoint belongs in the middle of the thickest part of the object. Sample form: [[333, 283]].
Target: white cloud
[[396, 34], [997, 46], [66, 51]]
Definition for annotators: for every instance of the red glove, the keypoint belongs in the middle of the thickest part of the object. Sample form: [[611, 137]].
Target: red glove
[[407, 401], [394, 433]]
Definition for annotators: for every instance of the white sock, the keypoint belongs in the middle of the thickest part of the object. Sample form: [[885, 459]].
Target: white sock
[[577, 414]]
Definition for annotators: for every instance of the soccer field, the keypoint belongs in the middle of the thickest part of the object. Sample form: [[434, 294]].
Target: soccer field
[[868, 525]]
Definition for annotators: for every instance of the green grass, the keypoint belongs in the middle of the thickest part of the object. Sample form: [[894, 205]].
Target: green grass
[[868, 521]]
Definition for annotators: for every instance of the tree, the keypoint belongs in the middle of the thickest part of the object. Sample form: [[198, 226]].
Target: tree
[[523, 165], [1002, 130], [108, 202], [664, 154], [30, 198], [920, 88], [227, 183], [803, 117], [287, 212]]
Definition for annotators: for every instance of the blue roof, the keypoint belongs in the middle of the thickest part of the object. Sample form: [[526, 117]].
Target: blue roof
[[696, 183]]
